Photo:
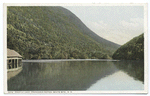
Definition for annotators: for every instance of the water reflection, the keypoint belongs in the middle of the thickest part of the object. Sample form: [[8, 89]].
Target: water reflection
[[117, 81], [129, 77], [132, 68], [72, 75]]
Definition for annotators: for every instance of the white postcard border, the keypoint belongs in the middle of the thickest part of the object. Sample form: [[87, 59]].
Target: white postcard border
[[145, 5]]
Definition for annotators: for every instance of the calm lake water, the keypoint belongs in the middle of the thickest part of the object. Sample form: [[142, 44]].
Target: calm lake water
[[79, 75]]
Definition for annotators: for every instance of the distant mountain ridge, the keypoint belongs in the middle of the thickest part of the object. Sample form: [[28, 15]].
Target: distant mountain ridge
[[53, 33], [132, 50], [87, 31]]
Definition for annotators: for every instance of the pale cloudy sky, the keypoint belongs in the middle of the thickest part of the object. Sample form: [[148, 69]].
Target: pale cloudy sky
[[118, 24]]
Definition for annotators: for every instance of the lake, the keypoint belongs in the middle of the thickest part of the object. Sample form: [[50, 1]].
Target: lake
[[90, 75]]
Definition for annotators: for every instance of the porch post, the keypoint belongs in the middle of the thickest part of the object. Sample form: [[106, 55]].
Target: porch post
[[17, 62], [14, 63], [7, 64]]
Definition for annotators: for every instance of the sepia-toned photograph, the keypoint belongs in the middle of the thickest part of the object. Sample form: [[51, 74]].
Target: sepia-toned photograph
[[75, 48]]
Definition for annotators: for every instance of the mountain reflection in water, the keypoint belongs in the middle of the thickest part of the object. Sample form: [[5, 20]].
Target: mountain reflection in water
[[129, 77], [68, 75], [134, 68]]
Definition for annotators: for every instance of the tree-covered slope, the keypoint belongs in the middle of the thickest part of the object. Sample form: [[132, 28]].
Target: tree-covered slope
[[53, 33], [132, 50]]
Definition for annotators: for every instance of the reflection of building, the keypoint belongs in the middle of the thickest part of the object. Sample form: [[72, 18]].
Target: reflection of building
[[14, 60]]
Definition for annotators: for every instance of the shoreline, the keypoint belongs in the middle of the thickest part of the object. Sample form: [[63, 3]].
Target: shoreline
[[58, 60]]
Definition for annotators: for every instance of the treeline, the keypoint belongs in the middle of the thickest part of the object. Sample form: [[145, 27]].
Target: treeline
[[51, 33], [132, 50]]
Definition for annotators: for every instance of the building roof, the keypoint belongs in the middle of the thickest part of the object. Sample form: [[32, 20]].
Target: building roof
[[12, 53]]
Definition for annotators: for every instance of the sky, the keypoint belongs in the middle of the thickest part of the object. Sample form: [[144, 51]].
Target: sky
[[118, 24]]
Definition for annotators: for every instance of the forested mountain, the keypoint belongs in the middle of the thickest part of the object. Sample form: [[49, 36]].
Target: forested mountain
[[132, 50], [38, 32]]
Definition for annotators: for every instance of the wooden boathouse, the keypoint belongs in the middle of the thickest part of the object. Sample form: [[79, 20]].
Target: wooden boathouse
[[14, 60]]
